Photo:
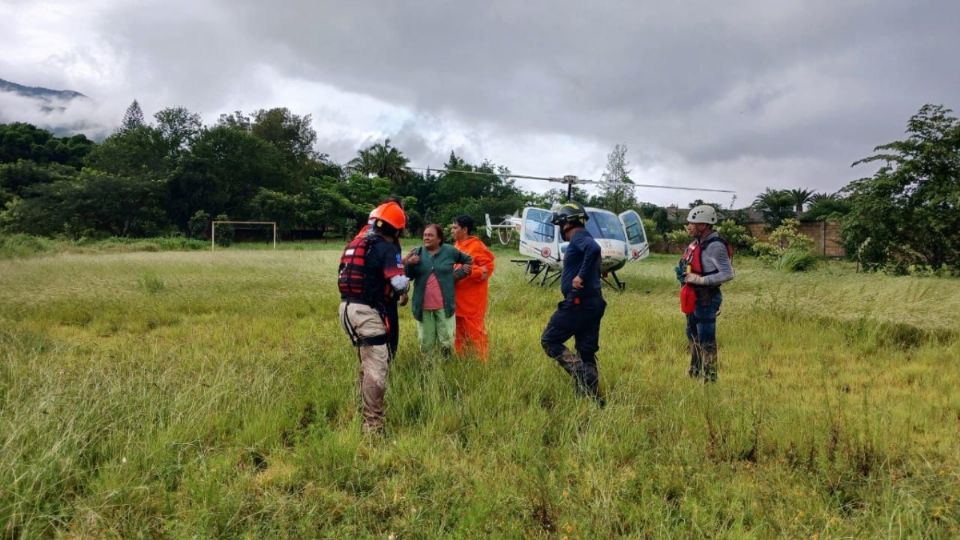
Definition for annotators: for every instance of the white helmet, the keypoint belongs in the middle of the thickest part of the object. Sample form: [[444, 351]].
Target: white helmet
[[702, 214]]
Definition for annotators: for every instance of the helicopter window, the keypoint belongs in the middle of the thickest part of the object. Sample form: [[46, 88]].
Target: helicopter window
[[537, 226], [635, 234], [605, 225]]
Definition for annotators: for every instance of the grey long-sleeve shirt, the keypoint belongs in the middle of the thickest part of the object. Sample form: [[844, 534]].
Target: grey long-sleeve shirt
[[715, 257]]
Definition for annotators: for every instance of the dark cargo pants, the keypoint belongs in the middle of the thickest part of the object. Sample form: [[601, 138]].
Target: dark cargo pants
[[579, 318]]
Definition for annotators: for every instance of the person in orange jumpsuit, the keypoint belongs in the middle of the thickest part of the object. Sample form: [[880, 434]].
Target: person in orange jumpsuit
[[471, 292]]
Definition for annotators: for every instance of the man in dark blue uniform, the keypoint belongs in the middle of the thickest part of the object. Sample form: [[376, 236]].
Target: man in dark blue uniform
[[579, 314]]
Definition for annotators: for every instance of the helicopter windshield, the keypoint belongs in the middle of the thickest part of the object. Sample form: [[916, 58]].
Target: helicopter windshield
[[605, 225], [537, 226]]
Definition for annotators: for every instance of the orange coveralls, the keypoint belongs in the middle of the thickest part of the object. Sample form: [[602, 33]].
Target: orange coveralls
[[471, 297]]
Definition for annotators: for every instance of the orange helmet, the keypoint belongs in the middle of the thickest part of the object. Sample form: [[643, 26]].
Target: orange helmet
[[390, 213], [376, 212]]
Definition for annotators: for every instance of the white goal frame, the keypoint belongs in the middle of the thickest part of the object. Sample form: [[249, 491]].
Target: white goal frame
[[213, 230]]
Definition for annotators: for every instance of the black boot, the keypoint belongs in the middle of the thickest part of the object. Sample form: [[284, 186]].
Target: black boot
[[588, 384], [696, 361], [710, 363]]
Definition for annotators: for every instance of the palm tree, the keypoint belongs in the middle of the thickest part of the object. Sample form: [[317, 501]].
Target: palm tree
[[827, 206], [775, 205], [382, 160], [801, 197]]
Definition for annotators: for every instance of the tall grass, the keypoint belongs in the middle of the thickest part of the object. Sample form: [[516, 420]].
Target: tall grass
[[213, 394], [16, 246]]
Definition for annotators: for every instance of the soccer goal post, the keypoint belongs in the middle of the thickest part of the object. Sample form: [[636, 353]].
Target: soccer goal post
[[213, 230]]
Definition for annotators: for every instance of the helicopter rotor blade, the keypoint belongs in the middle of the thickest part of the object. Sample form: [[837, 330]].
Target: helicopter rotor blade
[[570, 180]]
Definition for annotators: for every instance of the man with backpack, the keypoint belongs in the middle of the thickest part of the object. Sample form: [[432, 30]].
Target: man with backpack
[[704, 267]]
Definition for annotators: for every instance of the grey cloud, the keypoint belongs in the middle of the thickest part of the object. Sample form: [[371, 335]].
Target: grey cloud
[[803, 88]]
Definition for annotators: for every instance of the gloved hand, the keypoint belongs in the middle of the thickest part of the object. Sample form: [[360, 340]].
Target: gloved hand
[[680, 272], [694, 279], [400, 283]]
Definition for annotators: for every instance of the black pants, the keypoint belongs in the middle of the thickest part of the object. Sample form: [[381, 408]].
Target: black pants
[[393, 329], [578, 318]]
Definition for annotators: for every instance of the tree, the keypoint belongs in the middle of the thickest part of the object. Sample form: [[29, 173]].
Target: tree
[[557, 196], [133, 118], [658, 215], [19, 178], [800, 198], [908, 213], [618, 194], [824, 206], [25, 141], [139, 151], [291, 134], [224, 171], [90, 204], [381, 160], [178, 128], [775, 205], [236, 120]]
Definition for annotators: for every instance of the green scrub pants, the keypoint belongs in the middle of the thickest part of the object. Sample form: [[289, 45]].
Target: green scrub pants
[[436, 329]]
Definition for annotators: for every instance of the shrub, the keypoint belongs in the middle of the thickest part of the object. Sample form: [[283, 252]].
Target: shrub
[[787, 248], [199, 225], [225, 233], [797, 260], [22, 245], [736, 235], [650, 227], [678, 237]]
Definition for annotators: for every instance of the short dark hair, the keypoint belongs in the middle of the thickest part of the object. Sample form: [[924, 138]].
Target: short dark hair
[[466, 222], [438, 228]]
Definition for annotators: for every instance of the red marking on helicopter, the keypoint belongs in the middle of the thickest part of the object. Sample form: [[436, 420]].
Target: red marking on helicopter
[[545, 251]]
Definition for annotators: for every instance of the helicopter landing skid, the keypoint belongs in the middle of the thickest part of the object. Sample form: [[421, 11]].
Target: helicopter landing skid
[[617, 285], [537, 269]]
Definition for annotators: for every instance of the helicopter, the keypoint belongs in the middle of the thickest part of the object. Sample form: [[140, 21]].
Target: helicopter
[[621, 237]]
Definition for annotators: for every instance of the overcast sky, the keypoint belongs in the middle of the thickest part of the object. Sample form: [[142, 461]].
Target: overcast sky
[[742, 94]]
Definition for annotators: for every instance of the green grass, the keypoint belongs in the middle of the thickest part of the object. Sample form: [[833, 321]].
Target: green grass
[[21, 246], [198, 394]]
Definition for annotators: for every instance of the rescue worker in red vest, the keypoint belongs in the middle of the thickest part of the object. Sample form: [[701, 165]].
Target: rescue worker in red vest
[[393, 312], [705, 265], [370, 275]]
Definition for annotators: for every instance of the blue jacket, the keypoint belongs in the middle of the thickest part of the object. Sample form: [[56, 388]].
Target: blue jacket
[[582, 258]]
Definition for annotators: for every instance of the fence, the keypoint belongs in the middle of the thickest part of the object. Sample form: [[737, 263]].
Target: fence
[[825, 235]]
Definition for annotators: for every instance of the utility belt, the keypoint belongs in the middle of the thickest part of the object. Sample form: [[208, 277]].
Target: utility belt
[[580, 296], [692, 296], [705, 293], [584, 293], [379, 306], [355, 338]]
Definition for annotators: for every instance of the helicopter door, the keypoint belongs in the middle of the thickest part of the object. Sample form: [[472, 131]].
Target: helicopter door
[[538, 237], [637, 246]]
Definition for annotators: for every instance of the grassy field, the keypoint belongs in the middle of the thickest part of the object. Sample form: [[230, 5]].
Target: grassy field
[[198, 394]]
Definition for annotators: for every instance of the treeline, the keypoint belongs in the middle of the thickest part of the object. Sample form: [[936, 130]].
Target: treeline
[[173, 175]]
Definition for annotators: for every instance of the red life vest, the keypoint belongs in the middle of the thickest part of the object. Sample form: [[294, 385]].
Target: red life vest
[[692, 260], [355, 280], [693, 256], [352, 268]]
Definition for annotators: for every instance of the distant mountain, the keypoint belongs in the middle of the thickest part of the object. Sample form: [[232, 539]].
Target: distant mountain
[[46, 108], [37, 92]]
